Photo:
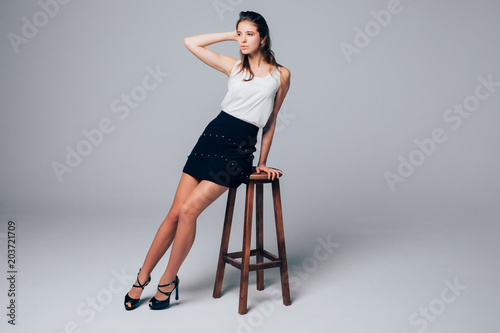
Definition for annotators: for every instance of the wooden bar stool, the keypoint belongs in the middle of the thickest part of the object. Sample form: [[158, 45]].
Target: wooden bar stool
[[255, 181]]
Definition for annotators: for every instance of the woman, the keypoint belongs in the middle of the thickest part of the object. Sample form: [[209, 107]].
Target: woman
[[222, 157]]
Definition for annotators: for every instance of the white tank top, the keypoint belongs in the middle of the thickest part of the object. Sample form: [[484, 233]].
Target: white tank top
[[251, 101]]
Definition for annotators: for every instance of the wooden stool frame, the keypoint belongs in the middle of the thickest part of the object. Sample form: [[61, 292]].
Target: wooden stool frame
[[255, 181]]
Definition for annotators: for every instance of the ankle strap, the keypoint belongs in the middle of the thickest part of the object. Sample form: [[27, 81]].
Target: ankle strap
[[171, 283], [176, 281], [138, 282]]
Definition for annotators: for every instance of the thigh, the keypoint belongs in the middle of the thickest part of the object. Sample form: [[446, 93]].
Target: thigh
[[186, 185], [204, 194]]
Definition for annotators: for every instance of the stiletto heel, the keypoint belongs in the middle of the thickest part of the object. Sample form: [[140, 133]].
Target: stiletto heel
[[160, 305], [134, 302]]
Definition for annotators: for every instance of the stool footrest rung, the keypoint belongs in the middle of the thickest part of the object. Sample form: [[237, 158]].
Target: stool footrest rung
[[264, 265], [270, 256], [230, 258]]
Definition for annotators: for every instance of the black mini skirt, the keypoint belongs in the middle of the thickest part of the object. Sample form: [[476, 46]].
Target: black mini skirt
[[224, 151]]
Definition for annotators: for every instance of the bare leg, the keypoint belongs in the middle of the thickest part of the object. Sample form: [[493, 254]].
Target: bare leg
[[200, 198], [166, 232]]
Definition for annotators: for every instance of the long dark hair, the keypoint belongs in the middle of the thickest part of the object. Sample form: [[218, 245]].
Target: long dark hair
[[265, 48]]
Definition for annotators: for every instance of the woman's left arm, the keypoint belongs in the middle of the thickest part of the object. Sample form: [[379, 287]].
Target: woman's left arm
[[268, 130]]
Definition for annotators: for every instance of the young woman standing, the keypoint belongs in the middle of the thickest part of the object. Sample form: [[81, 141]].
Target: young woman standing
[[222, 157]]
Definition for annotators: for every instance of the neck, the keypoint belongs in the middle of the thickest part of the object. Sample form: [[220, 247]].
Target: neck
[[256, 60]]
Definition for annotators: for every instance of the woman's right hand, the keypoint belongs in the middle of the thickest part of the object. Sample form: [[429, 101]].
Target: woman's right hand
[[234, 35]]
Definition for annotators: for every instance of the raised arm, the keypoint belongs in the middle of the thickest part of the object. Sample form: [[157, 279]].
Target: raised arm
[[268, 130], [197, 45]]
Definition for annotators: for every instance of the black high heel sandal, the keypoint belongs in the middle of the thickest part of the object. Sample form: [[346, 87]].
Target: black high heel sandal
[[160, 305], [134, 302]]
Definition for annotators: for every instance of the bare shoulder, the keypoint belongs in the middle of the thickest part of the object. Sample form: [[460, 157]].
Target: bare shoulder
[[285, 75]]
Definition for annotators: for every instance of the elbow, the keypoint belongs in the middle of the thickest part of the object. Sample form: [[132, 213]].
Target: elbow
[[271, 125], [188, 41], [268, 130]]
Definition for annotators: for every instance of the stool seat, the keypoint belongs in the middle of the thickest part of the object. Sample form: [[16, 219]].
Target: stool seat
[[261, 177], [255, 181]]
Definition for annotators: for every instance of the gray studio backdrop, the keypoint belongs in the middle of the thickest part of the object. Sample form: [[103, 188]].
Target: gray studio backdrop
[[362, 92], [392, 111]]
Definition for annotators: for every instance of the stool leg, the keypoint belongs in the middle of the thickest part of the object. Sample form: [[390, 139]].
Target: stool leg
[[245, 260], [278, 215], [259, 231], [224, 242]]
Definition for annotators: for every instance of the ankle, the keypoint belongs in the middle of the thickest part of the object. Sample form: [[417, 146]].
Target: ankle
[[143, 276], [166, 279]]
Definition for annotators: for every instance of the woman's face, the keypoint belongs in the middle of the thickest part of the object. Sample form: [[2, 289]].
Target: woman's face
[[248, 37]]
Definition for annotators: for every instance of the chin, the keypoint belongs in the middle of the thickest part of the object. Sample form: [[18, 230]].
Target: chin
[[246, 51]]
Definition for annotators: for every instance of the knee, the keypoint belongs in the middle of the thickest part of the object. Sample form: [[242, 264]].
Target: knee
[[172, 218], [187, 213]]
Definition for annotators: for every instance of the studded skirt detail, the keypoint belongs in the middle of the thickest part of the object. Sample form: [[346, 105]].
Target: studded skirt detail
[[224, 151]]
